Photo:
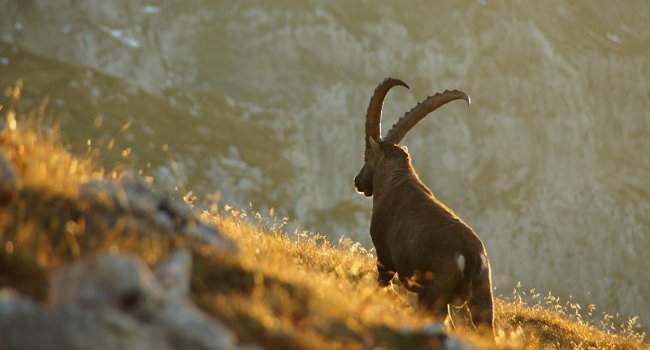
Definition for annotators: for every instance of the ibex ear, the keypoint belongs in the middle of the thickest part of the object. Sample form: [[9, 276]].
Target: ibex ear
[[374, 146]]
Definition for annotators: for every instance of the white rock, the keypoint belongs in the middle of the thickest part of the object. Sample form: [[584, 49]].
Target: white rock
[[119, 281], [434, 329], [187, 327], [174, 274], [11, 303]]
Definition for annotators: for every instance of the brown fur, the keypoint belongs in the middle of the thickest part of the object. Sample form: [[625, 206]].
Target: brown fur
[[421, 239]]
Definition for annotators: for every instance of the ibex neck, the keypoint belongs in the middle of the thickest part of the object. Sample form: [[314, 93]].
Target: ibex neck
[[395, 180]]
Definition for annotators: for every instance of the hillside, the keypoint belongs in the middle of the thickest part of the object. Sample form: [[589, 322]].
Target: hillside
[[277, 290]]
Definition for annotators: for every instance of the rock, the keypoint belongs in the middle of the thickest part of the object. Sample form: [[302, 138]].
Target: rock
[[453, 343], [118, 281], [71, 327], [99, 193], [434, 329], [130, 195], [141, 198], [174, 274], [187, 327], [422, 337], [250, 347], [136, 197], [11, 302], [9, 182], [113, 301], [209, 234]]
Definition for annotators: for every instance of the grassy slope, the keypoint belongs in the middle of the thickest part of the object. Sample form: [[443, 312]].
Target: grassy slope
[[282, 291]]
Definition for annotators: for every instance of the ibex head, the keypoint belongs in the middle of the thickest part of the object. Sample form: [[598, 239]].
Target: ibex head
[[387, 150]]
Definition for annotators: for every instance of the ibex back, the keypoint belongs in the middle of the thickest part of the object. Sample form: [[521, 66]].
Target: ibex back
[[434, 253]]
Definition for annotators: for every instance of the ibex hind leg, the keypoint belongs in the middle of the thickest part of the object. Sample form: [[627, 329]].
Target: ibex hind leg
[[481, 305], [431, 300], [460, 317]]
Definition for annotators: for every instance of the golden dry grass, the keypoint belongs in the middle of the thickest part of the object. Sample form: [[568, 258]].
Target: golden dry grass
[[282, 290]]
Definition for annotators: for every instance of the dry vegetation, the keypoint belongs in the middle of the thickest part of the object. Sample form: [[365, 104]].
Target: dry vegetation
[[283, 290]]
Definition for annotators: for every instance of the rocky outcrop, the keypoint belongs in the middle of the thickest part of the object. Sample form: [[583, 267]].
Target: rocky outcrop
[[113, 301], [156, 209]]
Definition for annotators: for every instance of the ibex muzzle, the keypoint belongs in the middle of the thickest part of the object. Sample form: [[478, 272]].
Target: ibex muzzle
[[433, 251]]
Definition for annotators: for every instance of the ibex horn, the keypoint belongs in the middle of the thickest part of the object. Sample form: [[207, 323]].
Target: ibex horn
[[373, 115], [430, 104]]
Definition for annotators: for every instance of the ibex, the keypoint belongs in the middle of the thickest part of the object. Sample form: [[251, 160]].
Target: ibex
[[434, 253]]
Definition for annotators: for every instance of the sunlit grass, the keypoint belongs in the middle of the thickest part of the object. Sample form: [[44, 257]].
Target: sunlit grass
[[314, 283], [37, 154], [282, 290]]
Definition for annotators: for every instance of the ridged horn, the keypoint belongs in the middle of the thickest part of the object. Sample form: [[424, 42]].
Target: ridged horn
[[412, 117], [373, 115]]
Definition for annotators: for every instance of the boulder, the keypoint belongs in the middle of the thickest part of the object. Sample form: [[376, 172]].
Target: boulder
[[113, 301]]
